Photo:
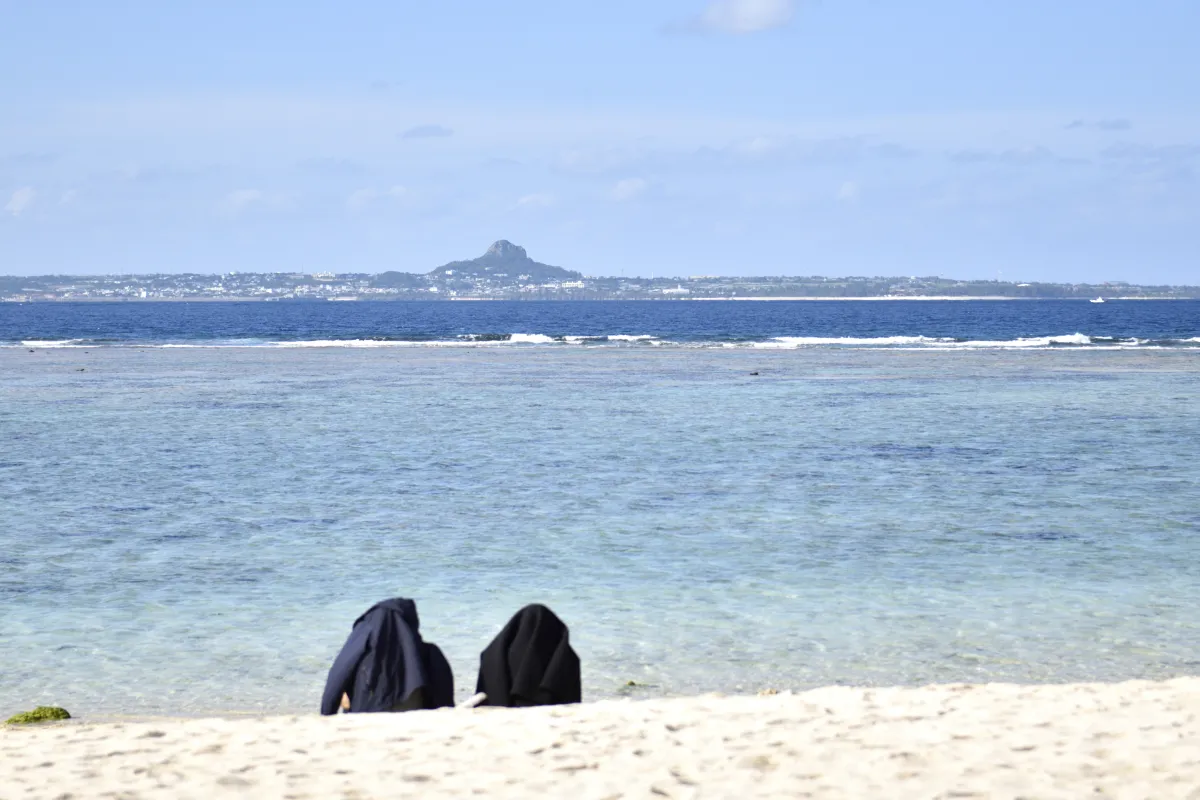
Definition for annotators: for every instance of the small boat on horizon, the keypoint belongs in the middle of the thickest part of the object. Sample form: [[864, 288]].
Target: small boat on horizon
[[1097, 300]]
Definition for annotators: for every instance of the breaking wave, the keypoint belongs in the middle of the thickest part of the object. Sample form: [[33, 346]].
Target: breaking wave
[[524, 340], [1066, 340]]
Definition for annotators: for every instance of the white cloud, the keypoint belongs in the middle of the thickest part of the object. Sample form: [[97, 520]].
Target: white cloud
[[365, 197], [848, 192], [747, 16], [629, 188], [68, 197], [537, 200], [21, 199]]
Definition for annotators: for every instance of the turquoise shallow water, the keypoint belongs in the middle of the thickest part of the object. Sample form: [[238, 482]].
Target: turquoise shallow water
[[187, 531]]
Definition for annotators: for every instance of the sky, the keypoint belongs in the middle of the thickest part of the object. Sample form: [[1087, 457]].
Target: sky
[[1022, 140]]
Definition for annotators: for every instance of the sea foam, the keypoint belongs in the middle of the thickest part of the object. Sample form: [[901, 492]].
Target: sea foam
[[488, 340]]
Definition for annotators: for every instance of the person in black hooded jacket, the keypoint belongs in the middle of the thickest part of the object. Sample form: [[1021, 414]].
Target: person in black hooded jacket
[[530, 662], [385, 665]]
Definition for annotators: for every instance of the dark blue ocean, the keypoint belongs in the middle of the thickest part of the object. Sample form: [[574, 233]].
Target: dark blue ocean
[[197, 500], [814, 323]]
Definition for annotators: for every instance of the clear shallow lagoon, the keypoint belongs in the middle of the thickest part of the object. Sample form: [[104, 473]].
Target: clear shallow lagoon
[[188, 530], [195, 530]]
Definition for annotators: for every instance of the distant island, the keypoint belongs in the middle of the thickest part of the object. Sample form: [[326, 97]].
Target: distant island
[[506, 272]]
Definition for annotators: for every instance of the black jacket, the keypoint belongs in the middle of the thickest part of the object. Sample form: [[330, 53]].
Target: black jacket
[[384, 661], [530, 662]]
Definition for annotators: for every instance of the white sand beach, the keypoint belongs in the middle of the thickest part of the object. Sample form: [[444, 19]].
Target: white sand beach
[[1137, 739]]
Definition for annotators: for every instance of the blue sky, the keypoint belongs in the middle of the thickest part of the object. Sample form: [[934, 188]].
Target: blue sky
[[1029, 140]]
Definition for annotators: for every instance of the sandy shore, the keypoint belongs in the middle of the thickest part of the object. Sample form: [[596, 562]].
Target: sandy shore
[[1136, 739]]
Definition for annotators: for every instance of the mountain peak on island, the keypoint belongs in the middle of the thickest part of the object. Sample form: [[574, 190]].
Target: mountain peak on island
[[504, 260], [506, 249]]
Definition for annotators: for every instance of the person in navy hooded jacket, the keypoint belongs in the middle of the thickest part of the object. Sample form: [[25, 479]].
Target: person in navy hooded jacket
[[385, 665]]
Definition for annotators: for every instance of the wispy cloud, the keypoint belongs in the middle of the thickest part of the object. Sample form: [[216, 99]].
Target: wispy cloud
[[817, 151], [604, 158], [755, 151], [20, 200], [629, 188], [238, 201], [1021, 156], [1129, 151], [537, 200], [331, 166], [68, 197], [244, 200], [29, 159], [366, 197], [427, 132], [1099, 125], [740, 17], [848, 192]]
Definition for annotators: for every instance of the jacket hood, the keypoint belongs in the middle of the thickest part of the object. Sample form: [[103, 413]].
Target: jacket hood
[[406, 608]]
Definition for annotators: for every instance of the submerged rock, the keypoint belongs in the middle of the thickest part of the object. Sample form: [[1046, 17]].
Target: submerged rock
[[39, 714]]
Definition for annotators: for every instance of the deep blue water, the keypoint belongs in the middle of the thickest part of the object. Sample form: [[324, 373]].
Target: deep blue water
[[869, 323]]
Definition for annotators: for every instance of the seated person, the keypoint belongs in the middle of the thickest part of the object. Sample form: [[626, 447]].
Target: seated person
[[530, 662], [385, 665]]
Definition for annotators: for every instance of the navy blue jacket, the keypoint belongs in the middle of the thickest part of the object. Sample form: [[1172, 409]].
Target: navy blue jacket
[[385, 660]]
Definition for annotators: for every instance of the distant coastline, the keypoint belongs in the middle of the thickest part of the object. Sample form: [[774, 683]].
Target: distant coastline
[[506, 272]]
